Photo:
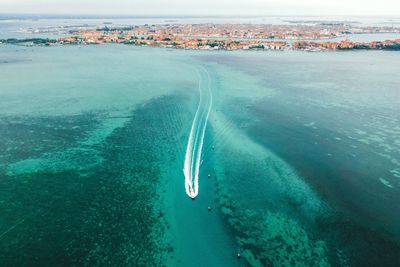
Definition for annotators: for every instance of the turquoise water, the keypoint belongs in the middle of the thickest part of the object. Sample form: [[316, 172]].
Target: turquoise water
[[300, 163]]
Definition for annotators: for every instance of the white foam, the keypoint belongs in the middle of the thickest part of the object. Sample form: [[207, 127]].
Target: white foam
[[194, 148]]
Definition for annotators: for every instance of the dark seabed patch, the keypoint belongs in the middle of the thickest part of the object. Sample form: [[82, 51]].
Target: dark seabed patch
[[365, 212], [326, 122], [24, 137], [108, 216]]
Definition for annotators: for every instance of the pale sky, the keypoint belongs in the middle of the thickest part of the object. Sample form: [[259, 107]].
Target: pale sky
[[204, 7]]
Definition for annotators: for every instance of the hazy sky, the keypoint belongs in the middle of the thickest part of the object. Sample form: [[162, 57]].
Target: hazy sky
[[204, 7]]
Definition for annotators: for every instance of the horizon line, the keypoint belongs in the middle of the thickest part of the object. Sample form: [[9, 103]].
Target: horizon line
[[114, 15]]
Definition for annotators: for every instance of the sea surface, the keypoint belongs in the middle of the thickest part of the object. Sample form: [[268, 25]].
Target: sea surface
[[300, 159]]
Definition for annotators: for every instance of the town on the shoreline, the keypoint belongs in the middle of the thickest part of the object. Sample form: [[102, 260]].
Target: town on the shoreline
[[224, 37]]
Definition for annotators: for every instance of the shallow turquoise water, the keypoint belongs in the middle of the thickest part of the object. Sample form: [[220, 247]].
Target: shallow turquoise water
[[302, 152]]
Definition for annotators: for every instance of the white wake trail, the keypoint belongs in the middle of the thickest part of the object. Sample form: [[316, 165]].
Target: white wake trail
[[194, 148]]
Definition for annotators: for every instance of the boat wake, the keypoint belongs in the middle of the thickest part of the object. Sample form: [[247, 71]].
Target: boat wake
[[196, 137]]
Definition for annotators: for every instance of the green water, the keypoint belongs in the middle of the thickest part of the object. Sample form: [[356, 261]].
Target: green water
[[300, 163]]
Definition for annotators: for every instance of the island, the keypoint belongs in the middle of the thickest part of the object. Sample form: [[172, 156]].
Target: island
[[208, 36]]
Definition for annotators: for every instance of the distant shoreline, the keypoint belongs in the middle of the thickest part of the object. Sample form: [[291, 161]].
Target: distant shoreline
[[213, 45]]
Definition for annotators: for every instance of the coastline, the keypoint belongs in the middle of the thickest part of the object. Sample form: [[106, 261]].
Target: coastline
[[308, 46]]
